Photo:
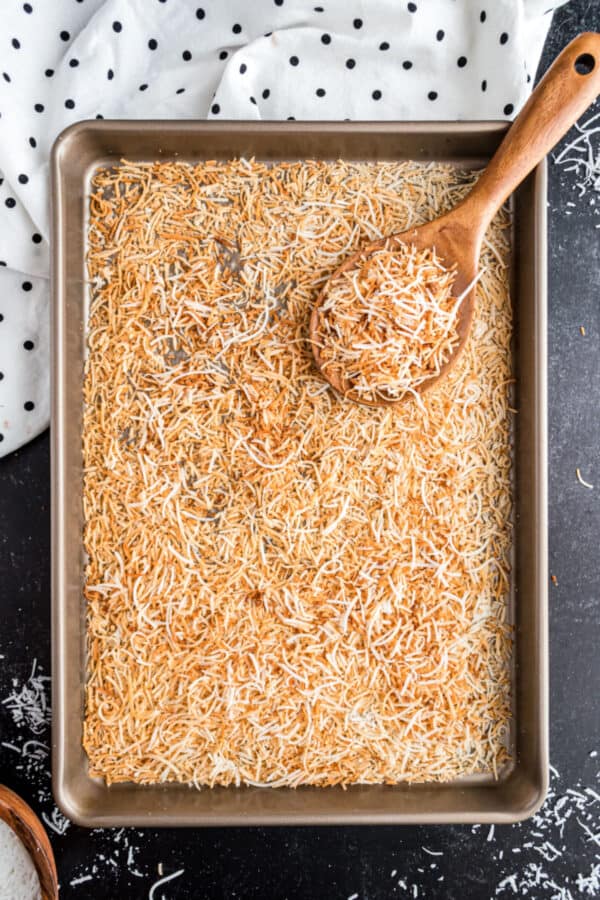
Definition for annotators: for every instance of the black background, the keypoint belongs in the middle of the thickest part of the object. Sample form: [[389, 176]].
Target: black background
[[375, 863]]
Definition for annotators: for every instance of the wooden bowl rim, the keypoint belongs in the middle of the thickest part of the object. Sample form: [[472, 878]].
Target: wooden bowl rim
[[27, 826]]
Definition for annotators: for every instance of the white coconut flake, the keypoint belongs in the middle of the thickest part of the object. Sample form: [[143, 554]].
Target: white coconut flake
[[162, 881]]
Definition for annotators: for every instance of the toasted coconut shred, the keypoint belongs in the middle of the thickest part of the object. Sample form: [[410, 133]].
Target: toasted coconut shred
[[284, 587], [389, 323]]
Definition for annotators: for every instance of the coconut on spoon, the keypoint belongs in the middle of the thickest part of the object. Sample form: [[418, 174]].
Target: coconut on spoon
[[395, 316]]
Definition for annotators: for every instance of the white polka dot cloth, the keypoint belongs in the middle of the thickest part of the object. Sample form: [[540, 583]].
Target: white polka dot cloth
[[64, 60]]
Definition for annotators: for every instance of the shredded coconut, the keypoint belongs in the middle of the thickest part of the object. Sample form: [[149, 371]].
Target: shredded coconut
[[582, 156], [388, 324], [18, 876], [284, 588], [152, 895], [28, 702]]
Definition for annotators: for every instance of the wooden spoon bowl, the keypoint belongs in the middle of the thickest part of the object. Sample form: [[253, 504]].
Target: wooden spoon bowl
[[30, 831], [569, 86]]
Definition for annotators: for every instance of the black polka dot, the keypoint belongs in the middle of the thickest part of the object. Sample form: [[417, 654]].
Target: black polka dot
[[1, 376], [291, 118], [384, 46], [152, 44], [70, 104], [28, 345], [376, 95], [350, 63], [319, 9], [65, 36], [117, 26], [266, 94], [237, 28], [6, 76], [73, 63], [243, 68], [2, 262], [39, 107], [461, 62], [482, 15], [1, 437], [32, 142], [27, 286], [358, 23], [36, 238], [325, 38], [16, 44], [200, 14], [320, 92], [294, 60], [143, 87], [278, 2], [528, 78], [432, 95], [407, 64], [180, 91], [1, 318], [10, 202], [99, 116], [186, 55], [412, 7], [110, 74], [503, 37], [49, 73], [509, 109], [28, 7], [29, 405], [215, 109], [484, 85], [223, 54], [440, 35], [253, 100], [23, 179]]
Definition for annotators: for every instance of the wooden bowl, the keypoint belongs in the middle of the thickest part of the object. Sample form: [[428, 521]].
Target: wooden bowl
[[28, 828]]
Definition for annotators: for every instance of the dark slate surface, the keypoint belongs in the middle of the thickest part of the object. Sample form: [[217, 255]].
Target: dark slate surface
[[557, 851]]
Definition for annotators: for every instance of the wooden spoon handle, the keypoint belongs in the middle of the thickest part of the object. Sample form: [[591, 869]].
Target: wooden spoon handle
[[569, 86]]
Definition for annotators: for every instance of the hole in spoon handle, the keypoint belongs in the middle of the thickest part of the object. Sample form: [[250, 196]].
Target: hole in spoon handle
[[569, 86], [585, 63]]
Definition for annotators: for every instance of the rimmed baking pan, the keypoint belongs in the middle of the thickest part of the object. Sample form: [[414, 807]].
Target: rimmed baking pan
[[519, 791]]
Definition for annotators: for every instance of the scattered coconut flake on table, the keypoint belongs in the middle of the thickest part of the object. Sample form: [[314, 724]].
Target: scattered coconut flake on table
[[81, 880], [576, 810], [29, 706], [28, 702], [18, 876], [582, 156], [432, 852], [56, 821], [582, 481], [161, 882]]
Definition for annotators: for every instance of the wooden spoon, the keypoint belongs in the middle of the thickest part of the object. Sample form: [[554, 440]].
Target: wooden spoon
[[569, 86], [30, 831]]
